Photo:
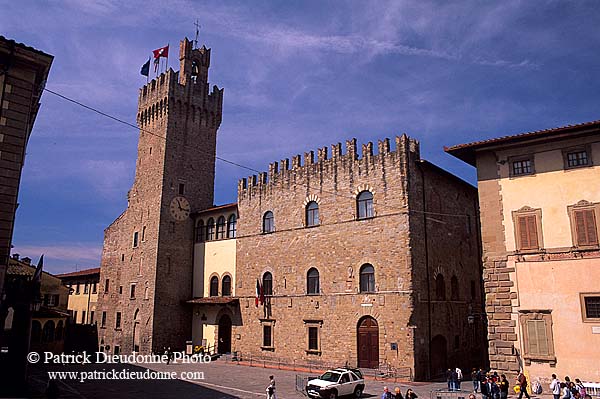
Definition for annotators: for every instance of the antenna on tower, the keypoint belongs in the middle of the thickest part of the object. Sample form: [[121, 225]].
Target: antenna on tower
[[197, 31]]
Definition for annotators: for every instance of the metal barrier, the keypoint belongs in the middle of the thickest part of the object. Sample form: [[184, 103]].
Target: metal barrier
[[302, 382], [445, 394], [386, 373]]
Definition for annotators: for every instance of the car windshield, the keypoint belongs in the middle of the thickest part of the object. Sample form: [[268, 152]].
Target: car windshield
[[330, 376]]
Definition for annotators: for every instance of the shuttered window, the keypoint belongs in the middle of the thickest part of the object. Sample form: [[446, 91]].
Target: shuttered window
[[585, 227], [537, 337], [527, 232]]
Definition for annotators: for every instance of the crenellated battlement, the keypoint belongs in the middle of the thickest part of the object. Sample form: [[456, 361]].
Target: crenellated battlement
[[187, 90], [326, 163]]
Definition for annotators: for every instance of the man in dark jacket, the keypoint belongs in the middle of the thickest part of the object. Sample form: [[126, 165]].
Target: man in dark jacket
[[522, 381]]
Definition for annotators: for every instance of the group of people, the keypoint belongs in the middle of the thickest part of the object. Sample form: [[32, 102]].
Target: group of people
[[568, 389], [397, 394], [454, 378], [491, 385]]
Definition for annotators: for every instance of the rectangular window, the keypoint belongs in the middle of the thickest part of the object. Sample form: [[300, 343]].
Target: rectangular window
[[118, 321], [522, 167], [75, 316], [103, 322], [267, 336], [51, 300], [77, 289], [86, 288], [94, 287], [106, 285], [577, 158], [590, 307], [181, 188], [92, 317], [135, 239], [313, 338], [132, 291], [527, 232], [83, 317], [144, 233], [120, 289], [585, 227], [538, 343]]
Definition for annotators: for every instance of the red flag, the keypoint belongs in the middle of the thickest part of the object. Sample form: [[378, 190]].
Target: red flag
[[262, 294], [161, 52]]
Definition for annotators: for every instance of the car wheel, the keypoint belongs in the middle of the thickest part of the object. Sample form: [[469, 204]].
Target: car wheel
[[358, 392], [333, 395]]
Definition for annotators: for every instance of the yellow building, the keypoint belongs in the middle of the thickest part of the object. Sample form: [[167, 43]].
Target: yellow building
[[83, 294], [539, 196], [214, 307]]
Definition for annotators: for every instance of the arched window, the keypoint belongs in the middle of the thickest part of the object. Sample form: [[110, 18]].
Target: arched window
[[226, 286], [231, 226], [58, 335], [210, 230], [312, 214], [367, 278], [200, 231], [268, 222], [454, 288], [440, 288], [312, 281], [48, 332], [221, 228], [364, 205], [36, 331], [267, 283], [214, 286]]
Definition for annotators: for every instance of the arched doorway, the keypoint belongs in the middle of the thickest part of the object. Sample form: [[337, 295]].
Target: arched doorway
[[136, 331], [439, 356], [224, 345], [368, 343]]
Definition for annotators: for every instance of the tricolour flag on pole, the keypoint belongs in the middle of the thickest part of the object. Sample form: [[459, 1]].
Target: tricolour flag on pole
[[37, 276], [257, 293], [146, 68]]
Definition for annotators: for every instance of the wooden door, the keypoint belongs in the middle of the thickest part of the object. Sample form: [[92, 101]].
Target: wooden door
[[368, 343]]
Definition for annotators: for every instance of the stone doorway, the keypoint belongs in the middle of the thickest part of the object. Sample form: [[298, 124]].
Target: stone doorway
[[439, 356], [368, 343], [224, 343]]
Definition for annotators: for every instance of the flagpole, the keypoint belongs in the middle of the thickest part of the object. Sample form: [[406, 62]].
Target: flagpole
[[167, 66], [148, 76]]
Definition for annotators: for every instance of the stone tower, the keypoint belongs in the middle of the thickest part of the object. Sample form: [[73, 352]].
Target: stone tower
[[146, 267]]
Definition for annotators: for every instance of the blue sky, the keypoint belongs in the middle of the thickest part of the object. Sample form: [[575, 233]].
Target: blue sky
[[297, 76]]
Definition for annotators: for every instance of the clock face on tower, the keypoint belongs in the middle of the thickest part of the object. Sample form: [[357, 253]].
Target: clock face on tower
[[179, 208]]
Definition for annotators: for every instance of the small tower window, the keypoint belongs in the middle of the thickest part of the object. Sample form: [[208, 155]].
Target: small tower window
[[268, 222], [312, 214], [214, 286], [226, 286], [181, 188], [367, 278], [267, 281], [312, 282], [364, 203], [210, 229]]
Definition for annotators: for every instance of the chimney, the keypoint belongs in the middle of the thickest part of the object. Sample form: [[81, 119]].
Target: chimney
[[26, 260], [15, 256]]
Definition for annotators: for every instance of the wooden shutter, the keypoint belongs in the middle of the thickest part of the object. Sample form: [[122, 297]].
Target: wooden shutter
[[538, 339], [527, 232], [585, 227]]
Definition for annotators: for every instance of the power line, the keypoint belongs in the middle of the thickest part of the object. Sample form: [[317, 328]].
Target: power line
[[240, 165]]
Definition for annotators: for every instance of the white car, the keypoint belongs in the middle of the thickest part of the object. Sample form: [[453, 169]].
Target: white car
[[335, 383]]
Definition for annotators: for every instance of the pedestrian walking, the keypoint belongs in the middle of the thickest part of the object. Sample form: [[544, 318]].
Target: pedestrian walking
[[271, 392], [386, 393], [397, 393], [486, 389], [475, 377], [449, 379], [504, 386], [555, 387], [566, 392], [459, 377], [580, 387], [410, 394], [522, 381]]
